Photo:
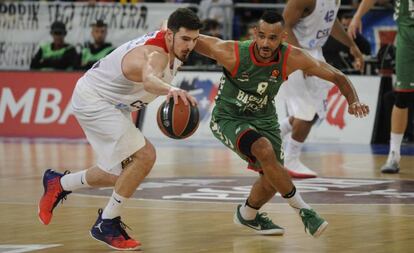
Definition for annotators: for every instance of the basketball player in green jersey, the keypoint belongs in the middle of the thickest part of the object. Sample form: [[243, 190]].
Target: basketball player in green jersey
[[245, 120], [404, 87]]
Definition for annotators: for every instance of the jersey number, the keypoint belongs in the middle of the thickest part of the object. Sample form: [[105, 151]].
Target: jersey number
[[261, 87], [329, 16]]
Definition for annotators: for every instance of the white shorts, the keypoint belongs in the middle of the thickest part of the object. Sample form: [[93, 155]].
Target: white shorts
[[110, 131], [306, 97]]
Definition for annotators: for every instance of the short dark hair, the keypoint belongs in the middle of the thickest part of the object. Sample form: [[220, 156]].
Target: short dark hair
[[272, 17], [183, 17]]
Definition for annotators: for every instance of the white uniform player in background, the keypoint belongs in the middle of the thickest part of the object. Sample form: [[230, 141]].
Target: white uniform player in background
[[308, 24], [126, 80]]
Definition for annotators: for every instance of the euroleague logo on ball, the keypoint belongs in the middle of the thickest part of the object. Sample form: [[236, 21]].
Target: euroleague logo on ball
[[177, 121]]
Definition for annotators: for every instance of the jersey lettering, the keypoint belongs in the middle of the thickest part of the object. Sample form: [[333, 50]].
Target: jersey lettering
[[323, 33], [329, 16], [139, 104], [261, 87]]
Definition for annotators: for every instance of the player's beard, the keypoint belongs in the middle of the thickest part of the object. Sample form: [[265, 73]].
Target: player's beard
[[268, 52], [179, 57]]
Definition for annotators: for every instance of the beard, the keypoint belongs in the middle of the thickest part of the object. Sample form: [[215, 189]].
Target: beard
[[183, 55], [265, 52]]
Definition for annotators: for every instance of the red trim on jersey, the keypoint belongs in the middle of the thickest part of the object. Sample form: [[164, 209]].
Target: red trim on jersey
[[250, 167], [158, 40], [256, 62], [236, 52], [239, 137], [404, 90], [285, 57]]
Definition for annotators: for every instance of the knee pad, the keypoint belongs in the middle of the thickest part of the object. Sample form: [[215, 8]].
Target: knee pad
[[246, 141], [403, 99]]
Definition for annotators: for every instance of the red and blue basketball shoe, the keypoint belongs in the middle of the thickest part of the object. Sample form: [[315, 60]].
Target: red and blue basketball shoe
[[112, 233], [52, 195]]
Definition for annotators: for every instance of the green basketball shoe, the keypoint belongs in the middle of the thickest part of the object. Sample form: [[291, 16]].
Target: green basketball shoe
[[261, 224], [314, 224]]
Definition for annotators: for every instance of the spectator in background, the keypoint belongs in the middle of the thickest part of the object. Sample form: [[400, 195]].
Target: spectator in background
[[93, 51], [250, 31], [337, 54], [208, 9], [211, 27], [56, 55]]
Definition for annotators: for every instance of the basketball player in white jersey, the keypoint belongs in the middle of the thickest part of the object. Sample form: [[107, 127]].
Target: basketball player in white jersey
[[308, 24], [126, 80]]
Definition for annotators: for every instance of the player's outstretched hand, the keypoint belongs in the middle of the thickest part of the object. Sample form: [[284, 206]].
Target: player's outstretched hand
[[359, 58], [178, 93], [358, 109], [354, 27]]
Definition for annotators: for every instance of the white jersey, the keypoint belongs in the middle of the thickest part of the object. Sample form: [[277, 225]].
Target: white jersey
[[107, 79], [313, 31]]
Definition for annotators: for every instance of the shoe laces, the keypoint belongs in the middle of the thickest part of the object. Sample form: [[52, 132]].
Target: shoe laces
[[118, 224], [264, 219], [392, 158], [62, 194], [307, 214]]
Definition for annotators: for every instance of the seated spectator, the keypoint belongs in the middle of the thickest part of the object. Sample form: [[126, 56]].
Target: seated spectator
[[93, 51], [250, 31], [211, 27], [338, 54], [56, 55], [215, 9]]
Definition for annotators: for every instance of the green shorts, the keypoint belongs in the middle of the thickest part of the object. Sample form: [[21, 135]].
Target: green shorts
[[229, 132], [405, 59]]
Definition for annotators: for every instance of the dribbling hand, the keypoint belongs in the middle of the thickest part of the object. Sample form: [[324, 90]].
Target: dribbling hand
[[178, 93], [358, 109]]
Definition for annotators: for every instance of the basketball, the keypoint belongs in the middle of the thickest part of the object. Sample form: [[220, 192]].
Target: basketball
[[177, 121]]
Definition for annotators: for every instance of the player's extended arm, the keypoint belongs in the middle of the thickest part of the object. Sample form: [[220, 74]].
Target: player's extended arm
[[340, 35], [222, 51], [152, 73], [292, 13], [299, 59], [356, 24]]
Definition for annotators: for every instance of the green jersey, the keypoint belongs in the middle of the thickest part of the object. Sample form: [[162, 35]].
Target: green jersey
[[404, 15], [249, 90], [245, 100], [404, 12]]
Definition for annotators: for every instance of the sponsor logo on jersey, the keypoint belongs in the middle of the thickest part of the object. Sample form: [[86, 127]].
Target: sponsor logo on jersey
[[274, 75], [244, 77]]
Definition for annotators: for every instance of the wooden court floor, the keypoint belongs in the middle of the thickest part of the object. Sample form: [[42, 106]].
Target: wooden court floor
[[188, 201]]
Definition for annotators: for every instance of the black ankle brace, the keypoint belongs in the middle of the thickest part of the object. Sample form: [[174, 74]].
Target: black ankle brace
[[290, 194]]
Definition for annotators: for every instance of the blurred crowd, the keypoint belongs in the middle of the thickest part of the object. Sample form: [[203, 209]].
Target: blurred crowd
[[60, 55]]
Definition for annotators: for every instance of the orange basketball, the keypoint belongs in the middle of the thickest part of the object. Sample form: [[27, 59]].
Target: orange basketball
[[177, 121]]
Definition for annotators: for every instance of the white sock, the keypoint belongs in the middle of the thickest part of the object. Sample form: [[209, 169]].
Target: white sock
[[293, 148], [295, 201], [247, 212], [395, 145], [114, 206], [74, 181], [285, 127]]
